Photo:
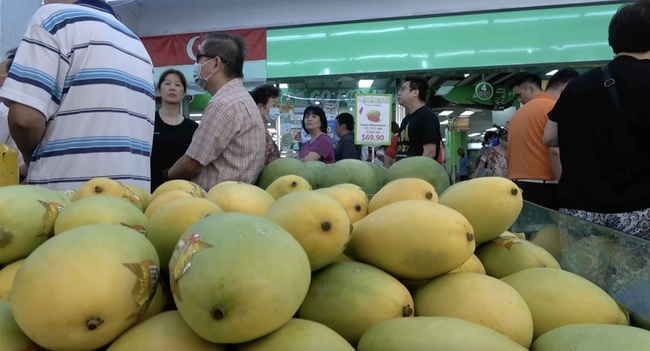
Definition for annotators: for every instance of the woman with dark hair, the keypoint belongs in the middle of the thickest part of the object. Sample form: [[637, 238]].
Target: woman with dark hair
[[320, 146], [172, 131]]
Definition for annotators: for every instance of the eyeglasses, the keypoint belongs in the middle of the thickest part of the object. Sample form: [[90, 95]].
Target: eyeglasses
[[200, 55]]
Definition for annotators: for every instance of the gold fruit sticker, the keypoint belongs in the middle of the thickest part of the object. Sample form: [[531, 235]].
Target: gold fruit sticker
[[52, 210], [507, 242], [145, 287], [182, 260]]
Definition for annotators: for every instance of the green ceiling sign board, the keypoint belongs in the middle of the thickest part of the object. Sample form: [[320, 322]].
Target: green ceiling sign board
[[492, 39]]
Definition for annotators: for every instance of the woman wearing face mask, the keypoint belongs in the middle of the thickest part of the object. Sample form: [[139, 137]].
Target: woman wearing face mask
[[267, 98], [320, 146], [172, 132]]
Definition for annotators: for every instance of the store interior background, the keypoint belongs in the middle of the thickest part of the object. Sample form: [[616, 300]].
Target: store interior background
[[149, 18]]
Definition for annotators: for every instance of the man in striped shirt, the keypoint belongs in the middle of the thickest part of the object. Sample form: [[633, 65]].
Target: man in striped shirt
[[81, 92]]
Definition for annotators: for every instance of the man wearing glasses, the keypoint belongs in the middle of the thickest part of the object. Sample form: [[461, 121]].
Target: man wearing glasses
[[419, 134], [230, 141]]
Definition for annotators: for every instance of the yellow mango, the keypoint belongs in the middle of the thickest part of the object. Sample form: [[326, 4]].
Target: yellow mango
[[490, 204], [413, 239]]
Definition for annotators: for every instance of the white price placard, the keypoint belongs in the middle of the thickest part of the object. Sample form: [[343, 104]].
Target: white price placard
[[373, 119]]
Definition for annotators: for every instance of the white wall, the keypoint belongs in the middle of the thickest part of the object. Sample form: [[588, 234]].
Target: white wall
[[161, 17], [14, 15]]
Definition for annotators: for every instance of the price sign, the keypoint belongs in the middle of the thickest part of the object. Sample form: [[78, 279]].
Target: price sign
[[373, 119]]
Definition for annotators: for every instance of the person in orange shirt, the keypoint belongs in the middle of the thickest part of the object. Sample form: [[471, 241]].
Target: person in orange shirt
[[534, 167]]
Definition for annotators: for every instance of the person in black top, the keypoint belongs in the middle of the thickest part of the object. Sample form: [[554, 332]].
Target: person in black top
[[605, 159], [419, 134], [346, 148], [172, 132]]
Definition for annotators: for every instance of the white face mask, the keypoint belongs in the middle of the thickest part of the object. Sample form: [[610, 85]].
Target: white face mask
[[196, 72], [274, 113]]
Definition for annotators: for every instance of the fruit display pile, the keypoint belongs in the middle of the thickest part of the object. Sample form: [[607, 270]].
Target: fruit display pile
[[314, 257]]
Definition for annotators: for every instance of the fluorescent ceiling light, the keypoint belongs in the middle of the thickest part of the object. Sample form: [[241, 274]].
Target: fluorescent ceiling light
[[283, 86], [445, 113], [272, 130], [196, 114], [466, 75], [443, 90], [317, 102], [473, 134], [491, 129], [365, 83], [467, 113], [551, 72], [444, 122]]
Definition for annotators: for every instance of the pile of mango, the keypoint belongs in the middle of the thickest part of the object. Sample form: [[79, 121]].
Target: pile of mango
[[110, 266]]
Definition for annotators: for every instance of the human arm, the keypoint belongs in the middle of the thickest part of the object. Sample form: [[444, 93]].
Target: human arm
[[550, 137], [481, 164], [388, 161], [185, 168], [554, 153], [27, 128], [311, 156], [430, 150]]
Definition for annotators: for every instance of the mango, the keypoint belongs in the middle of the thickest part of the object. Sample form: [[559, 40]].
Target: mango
[[420, 167], [243, 198], [317, 221], [26, 220], [299, 335], [236, 277], [11, 337], [352, 171], [109, 187], [317, 170], [412, 239], [283, 166], [7, 274], [434, 334], [355, 202], [287, 184], [549, 239], [593, 337], [168, 223], [164, 332], [507, 255], [473, 264], [101, 209], [490, 204], [480, 299], [143, 195], [164, 198], [179, 184], [403, 189], [82, 289], [557, 298], [350, 297]]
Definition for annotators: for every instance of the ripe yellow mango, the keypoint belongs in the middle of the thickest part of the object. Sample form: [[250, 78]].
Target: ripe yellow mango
[[556, 298], [299, 335], [287, 184], [490, 204], [434, 334], [480, 299], [593, 337], [354, 201], [413, 239], [507, 255], [317, 221], [403, 189], [164, 332], [350, 297], [242, 198]]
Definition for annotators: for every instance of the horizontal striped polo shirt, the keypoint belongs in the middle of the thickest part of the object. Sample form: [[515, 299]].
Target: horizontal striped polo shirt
[[93, 80]]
